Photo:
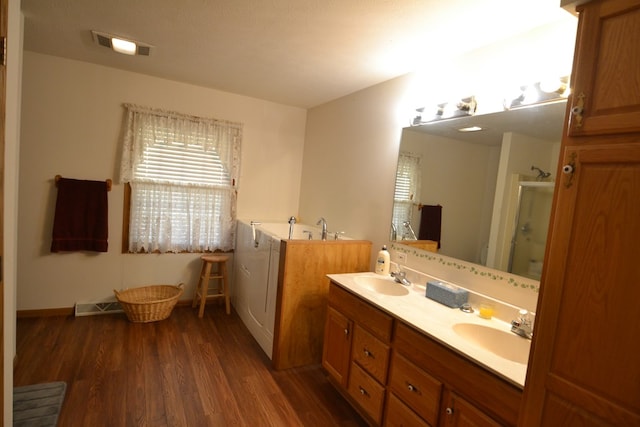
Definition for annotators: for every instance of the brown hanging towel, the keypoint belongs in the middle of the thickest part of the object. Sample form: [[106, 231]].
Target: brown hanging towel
[[430, 223], [81, 217]]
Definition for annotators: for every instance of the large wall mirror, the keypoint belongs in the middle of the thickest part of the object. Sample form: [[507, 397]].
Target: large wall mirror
[[486, 194]]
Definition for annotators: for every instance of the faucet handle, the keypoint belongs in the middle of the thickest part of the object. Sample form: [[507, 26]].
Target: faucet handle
[[337, 235]]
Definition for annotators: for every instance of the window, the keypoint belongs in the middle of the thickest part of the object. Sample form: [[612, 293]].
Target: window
[[407, 189], [182, 171]]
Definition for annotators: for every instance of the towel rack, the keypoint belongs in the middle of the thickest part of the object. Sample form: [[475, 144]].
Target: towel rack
[[108, 181]]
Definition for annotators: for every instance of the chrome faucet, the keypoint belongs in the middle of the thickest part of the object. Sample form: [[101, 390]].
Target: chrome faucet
[[523, 325], [292, 221], [401, 277], [323, 222], [408, 234]]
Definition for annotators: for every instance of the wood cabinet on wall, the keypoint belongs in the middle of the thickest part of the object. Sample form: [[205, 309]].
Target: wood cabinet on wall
[[584, 368]]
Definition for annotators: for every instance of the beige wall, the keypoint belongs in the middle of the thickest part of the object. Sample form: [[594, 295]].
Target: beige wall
[[461, 177], [350, 157], [351, 143], [71, 125]]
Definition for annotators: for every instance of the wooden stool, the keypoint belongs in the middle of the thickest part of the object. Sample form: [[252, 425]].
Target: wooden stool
[[206, 275]]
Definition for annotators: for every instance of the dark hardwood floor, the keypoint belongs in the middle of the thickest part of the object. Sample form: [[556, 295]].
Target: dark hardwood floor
[[182, 371]]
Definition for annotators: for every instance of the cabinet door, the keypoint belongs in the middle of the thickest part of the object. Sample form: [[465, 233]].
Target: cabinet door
[[367, 392], [460, 413], [398, 414], [337, 345], [370, 353], [605, 95], [584, 368], [416, 388]]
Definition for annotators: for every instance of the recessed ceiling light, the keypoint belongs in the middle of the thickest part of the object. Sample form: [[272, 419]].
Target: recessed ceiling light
[[120, 45], [123, 46], [470, 129]]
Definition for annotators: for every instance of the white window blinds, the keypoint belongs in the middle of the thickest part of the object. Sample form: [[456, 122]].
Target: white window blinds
[[407, 190]]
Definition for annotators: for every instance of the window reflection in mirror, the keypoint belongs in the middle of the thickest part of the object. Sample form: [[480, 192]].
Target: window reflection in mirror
[[475, 177]]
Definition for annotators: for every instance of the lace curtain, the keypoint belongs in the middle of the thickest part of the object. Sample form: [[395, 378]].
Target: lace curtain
[[407, 190], [183, 172]]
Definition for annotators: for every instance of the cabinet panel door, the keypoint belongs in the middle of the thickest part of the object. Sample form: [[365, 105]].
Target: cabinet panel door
[[605, 86], [370, 353], [415, 387], [337, 345], [365, 390], [400, 415], [587, 333], [460, 413]]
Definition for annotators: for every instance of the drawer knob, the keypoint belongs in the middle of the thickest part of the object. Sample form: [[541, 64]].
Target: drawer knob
[[346, 331], [363, 391], [578, 110], [368, 353], [411, 387], [449, 411]]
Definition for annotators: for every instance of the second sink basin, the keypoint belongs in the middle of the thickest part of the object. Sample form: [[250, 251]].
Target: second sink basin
[[381, 285], [501, 343]]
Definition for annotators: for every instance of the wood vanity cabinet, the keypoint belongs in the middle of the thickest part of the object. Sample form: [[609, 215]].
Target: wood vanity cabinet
[[336, 351], [465, 388], [584, 370], [460, 413], [360, 372], [395, 375]]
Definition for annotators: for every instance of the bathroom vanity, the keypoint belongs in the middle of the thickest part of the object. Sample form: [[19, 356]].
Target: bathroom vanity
[[402, 359]]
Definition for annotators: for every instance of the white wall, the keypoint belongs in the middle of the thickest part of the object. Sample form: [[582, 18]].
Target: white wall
[[71, 125]]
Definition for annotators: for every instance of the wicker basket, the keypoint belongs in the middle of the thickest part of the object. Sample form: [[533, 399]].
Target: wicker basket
[[149, 303]]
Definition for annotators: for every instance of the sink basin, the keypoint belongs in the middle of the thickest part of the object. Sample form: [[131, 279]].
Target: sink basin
[[381, 286], [501, 343]]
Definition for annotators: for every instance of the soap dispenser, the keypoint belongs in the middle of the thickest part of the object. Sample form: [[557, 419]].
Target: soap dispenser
[[383, 261]]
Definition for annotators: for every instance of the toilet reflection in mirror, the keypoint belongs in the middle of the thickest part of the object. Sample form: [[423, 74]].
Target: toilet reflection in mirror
[[477, 178]]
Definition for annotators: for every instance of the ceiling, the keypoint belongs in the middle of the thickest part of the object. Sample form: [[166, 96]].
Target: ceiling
[[295, 52]]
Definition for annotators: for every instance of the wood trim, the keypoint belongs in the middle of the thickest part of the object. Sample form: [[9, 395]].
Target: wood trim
[[45, 312], [4, 24], [126, 209], [68, 311]]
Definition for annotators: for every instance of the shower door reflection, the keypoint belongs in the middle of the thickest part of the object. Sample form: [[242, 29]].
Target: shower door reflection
[[530, 233]]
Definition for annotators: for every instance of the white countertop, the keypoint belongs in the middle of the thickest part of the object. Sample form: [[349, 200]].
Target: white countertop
[[436, 321]]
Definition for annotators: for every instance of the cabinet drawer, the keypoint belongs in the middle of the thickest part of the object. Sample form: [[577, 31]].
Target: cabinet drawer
[[375, 320], [367, 392], [400, 415], [370, 353], [416, 388]]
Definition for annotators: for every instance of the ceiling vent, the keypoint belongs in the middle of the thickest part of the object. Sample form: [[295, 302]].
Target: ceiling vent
[[106, 40]]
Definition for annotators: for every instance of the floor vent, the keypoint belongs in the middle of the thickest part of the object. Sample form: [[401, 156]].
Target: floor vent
[[93, 308]]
